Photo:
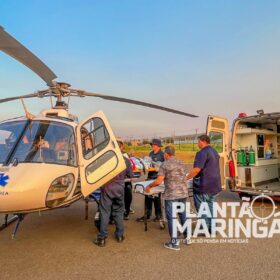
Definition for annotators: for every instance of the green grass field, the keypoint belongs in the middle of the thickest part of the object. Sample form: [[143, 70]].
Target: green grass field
[[184, 152]]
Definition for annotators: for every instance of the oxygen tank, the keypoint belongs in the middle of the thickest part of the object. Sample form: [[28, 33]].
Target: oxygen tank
[[252, 156], [244, 158], [241, 157]]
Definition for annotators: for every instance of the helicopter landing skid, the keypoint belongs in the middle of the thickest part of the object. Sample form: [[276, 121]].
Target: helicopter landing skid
[[8, 221], [19, 220]]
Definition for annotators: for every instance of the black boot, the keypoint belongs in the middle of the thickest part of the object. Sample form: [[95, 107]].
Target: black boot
[[99, 242], [119, 238]]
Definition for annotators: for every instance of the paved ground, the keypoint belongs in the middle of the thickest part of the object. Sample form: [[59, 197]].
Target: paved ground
[[58, 245]]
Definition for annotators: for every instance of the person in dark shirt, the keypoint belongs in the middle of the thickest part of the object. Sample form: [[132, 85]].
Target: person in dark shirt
[[112, 202], [157, 156], [128, 185], [206, 177]]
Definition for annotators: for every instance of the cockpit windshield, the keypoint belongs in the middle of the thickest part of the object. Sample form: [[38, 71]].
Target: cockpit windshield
[[9, 134], [39, 141]]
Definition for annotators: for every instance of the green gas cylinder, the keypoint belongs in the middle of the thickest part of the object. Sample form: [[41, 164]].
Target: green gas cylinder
[[241, 157], [252, 156], [244, 158]]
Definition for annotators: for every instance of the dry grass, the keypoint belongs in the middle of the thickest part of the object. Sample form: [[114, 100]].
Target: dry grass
[[186, 156]]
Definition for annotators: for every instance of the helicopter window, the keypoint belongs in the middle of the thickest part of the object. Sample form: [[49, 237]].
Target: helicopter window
[[9, 134], [109, 159], [48, 142], [95, 137]]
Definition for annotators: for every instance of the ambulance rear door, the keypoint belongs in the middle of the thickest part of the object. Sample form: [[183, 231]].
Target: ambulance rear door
[[218, 131]]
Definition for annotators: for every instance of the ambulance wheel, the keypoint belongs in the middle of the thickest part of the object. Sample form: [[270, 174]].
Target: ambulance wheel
[[246, 196]]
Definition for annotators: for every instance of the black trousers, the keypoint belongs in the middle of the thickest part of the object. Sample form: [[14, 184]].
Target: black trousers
[[149, 200], [111, 206], [127, 197]]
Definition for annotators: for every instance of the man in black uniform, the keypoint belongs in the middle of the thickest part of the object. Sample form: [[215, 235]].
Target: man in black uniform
[[128, 184], [157, 157], [112, 202]]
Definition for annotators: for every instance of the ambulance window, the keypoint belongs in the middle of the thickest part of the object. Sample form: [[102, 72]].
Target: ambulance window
[[216, 139], [218, 124], [94, 137]]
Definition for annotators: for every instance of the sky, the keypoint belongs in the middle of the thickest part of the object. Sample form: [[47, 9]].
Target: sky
[[201, 57]]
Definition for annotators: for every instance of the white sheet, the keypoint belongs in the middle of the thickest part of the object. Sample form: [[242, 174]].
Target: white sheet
[[140, 187]]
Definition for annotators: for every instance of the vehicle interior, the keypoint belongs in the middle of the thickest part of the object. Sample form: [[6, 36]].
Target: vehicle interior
[[256, 152]]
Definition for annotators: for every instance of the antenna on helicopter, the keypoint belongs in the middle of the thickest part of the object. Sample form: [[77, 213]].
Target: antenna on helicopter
[[27, 114], [51, 101]]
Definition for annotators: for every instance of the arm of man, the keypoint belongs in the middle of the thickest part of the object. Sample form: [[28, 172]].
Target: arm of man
[[193, 173], [199, 164], [159, 179], [155, 183]]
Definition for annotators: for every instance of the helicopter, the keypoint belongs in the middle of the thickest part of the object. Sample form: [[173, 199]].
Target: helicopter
[[52, 160]]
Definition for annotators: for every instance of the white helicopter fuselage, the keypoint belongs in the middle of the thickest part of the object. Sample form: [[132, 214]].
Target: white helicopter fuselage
[[41, 180], [28, 186]]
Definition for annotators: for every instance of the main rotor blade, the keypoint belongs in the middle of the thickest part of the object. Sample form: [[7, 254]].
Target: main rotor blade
[[37, 94], [13, 48], [136, 102]]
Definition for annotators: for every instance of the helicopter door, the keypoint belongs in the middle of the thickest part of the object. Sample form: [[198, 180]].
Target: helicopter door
[[217, 130], [99, 154]]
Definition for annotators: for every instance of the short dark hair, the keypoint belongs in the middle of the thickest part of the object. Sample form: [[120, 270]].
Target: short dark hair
[[204, 138], [169, 150]]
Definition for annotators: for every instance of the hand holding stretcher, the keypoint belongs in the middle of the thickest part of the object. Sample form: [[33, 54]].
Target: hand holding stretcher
[[140, 187]]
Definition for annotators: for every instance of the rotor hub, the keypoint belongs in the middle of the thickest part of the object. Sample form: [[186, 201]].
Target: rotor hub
[[61, 105]]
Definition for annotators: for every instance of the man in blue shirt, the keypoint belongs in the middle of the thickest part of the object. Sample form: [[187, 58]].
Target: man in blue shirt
[[206, 177]]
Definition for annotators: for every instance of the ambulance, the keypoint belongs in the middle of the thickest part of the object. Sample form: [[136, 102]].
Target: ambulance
[[249, 153]]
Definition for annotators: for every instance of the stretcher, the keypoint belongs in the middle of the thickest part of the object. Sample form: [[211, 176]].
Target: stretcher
[[137, 173], [140, 188]]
